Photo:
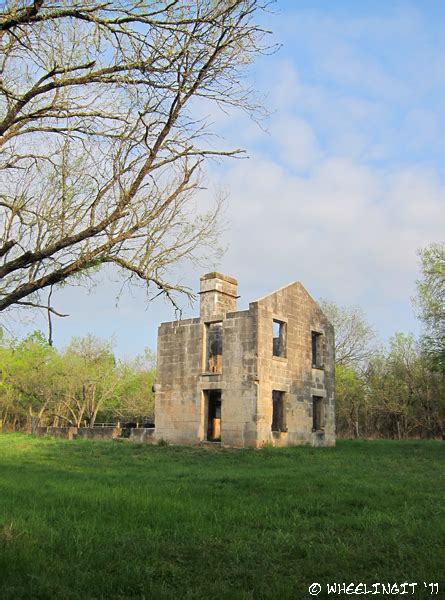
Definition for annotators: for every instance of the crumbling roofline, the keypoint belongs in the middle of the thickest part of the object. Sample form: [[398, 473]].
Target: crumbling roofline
[[278, 290], [216, 275]]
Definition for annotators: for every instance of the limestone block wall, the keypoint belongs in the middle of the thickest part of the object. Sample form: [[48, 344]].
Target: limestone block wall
[[99, 433], [218, 295], [144, 435], [40, 431], [239, 379], [67, 433], [250, 371], [293, 374], [178, 403]]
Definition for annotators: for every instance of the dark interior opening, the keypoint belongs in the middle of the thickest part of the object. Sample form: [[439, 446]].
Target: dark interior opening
[[279, 338], [214, 416], [317, 413], [317, 360], [278, 413], [214, 347]]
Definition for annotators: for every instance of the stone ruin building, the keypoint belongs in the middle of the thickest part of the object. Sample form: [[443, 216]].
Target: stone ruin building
[[262, 376]]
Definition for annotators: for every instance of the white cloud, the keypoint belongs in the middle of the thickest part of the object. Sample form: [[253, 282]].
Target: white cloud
[[295, 141], [343, 189], [347, 231]]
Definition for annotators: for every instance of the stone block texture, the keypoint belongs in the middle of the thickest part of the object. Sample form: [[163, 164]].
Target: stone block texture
[[266, 377], [99, 433], [143, 435]]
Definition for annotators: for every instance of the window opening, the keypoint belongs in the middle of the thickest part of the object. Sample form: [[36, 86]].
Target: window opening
[[279, 338], [317, 413], [317, 355], [214, 415], [214, 347], [278, 412]]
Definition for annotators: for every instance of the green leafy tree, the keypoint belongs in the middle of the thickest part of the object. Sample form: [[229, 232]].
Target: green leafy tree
[[431, 303], [42, 386], [89, 380], [405, 397], [135, 392], [6, 385], [350, 401], [27, 377]]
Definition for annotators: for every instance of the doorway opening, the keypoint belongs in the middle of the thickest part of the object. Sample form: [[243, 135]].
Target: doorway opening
[[213, 415], [278, 412]]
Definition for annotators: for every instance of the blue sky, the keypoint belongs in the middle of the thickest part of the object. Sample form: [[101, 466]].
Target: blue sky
[[345, 185]]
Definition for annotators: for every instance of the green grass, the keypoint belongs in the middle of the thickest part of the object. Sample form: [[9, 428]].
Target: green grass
[[87, 519]]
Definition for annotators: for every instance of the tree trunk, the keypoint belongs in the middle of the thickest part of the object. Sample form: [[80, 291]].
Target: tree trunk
[[356, 429]]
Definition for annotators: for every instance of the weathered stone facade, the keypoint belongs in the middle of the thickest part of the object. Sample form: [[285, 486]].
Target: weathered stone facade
[[249, 378]]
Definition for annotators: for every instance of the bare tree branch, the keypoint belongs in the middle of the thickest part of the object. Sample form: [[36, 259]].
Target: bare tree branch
[[48, 308], [102, 143]]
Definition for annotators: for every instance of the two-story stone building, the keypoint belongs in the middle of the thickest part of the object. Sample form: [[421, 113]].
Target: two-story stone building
[[247, 378]]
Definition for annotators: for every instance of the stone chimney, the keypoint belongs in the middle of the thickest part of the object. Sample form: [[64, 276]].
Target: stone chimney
[[218, 296]]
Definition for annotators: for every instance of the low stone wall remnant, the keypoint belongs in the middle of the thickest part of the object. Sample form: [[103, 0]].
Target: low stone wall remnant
[[145, 435], [40, 431], [66, 433], [99, 433]]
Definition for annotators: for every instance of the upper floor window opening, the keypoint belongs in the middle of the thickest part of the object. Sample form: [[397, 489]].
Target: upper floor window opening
[[214, 347], [317, 349], [317, 413], [279, 338]]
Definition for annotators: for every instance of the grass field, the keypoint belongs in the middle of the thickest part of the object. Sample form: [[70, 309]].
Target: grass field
[[89, 519]]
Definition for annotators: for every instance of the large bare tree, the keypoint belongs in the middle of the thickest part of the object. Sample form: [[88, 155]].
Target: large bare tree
[[101, 145]]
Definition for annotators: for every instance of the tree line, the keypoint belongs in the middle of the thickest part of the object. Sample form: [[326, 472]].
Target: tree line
[[398, 391], [393, 392], [398, 394], [78, 386], [390, 393], [102, 152]]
